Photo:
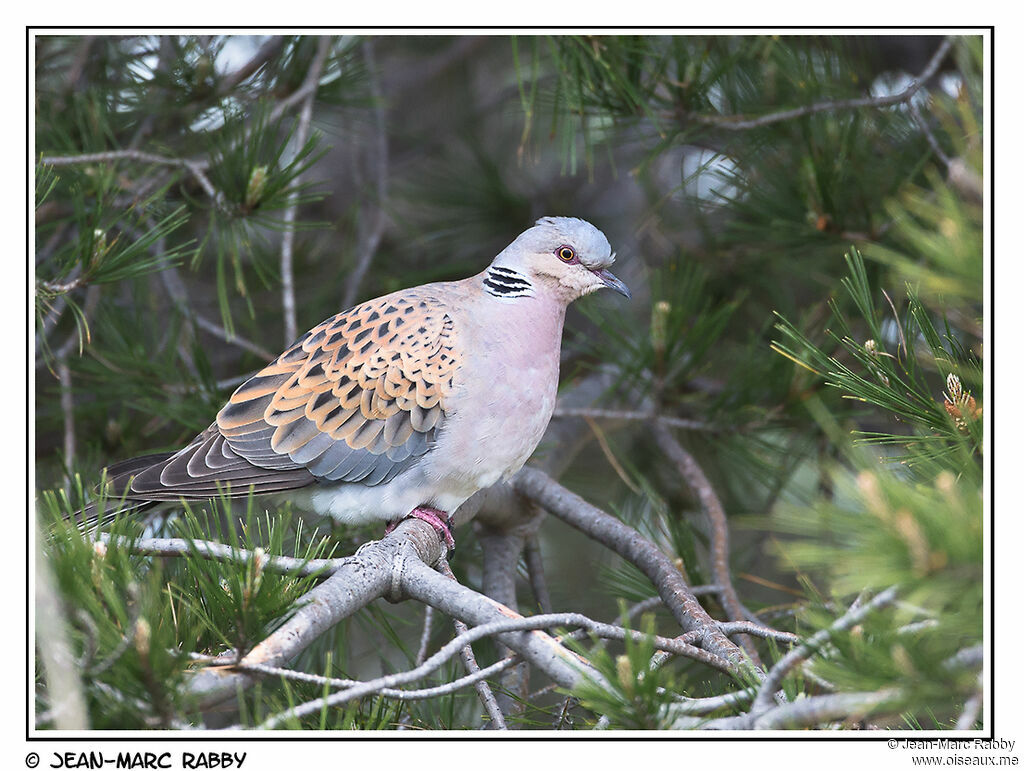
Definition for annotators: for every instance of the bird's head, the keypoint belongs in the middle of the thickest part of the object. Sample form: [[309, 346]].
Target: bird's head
[[565, 255]]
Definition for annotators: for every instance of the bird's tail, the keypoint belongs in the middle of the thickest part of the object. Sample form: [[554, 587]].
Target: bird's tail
[[98, 514], [111, 500]]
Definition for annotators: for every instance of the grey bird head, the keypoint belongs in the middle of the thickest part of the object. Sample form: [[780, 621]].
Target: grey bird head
[[565, 254]]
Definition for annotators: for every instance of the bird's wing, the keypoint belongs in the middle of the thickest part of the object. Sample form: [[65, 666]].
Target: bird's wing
[[358, 398]]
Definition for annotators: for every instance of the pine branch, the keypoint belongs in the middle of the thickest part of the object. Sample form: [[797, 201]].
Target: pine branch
[[219, 552], [501, 552], [624, 540], [698, 482], [635, 416], [818, 710], [783, 666], [357, 581], [744, 122], [419, 582], [195, 168], [393, 567], [450, 649], [374, 686], [176, 289], [312, 81]]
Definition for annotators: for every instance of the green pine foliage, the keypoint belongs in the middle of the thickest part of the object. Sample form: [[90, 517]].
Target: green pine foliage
[[638, 697], [915, 521], [139, 620]]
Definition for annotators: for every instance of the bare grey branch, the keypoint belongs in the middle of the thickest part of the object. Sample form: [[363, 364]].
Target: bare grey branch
[[742, 122]]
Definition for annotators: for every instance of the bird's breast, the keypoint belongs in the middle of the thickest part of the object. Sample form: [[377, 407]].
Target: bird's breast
[[504, 395]]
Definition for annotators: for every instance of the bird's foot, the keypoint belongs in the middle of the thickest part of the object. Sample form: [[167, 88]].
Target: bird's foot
[[436, 518]]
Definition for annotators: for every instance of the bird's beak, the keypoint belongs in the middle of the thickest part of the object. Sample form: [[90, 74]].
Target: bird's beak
[[613, 283]]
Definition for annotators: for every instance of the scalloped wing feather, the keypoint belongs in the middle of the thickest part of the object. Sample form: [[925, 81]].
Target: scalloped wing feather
[[358, 398]]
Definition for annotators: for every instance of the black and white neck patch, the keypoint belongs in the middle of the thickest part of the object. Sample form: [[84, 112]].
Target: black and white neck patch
[[506, 282]]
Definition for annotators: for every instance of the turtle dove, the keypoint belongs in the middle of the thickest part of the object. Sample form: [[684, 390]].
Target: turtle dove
[[404, 405]]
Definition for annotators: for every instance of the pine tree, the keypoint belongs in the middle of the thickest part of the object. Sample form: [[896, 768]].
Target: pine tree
[[774, 454]]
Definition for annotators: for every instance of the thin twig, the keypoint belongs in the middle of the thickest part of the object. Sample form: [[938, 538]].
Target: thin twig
[[179, 547], [483, 690], [370, 237], [67, 408], [651, 603], [698, 482], [62, 287], [681, 645], [448, 650], [606, 450], [743, 122], [535, 570], [229, 656], [634, 415], [919, 119], [359, 689], [754, 629], [195, 168], [306, 90], [179, 296], [428, 619], [291, 327], [391, 693], [231, 337], [918, 626], [413, 579], [677, 646], [219, 385], [827, 708], [709, 704], [757, 630]]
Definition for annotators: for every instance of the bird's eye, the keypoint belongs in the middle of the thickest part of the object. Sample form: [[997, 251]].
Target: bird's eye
[[566, 253]]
